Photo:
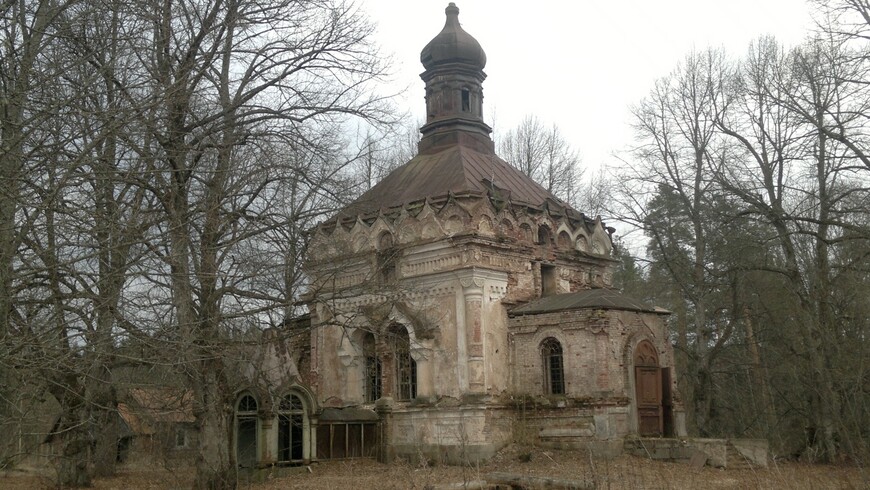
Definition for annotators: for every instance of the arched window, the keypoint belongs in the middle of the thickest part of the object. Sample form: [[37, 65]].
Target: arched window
[[246, 431], [466, 100], [291, 435], [406, 367], [372, 367], [525, 232], [554, 374]]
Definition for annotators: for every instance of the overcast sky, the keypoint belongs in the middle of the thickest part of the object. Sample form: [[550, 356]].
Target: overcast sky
[[579, 64]]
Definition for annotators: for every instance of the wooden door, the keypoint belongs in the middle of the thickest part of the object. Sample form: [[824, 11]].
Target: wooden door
[[648, 391]]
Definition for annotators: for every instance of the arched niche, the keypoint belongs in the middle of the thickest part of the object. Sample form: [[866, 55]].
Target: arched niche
[[564, 240]]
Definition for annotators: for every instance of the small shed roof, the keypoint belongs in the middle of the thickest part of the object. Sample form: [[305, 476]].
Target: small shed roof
[[607, 299], [350, 414]]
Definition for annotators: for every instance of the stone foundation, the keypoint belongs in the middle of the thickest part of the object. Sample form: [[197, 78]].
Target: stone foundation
[[453, 435]]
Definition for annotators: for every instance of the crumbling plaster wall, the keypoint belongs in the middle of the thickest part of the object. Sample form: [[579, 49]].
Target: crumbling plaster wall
[[482, 257], [597, 348], [448, 434], [458, 267]]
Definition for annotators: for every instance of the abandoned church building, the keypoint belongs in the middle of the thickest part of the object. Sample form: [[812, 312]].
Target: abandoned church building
[[458, 306]]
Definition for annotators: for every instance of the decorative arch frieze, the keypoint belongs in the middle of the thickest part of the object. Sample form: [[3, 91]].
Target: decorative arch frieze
[[485, 225], [581, 243], [378, 226], [360, 242], [453, 225], [527, 231], [564, 241]]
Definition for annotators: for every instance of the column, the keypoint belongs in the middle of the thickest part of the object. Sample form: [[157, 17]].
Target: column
[[472, 289]]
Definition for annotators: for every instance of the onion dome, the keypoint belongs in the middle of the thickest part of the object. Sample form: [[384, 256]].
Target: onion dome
[[453, 45]]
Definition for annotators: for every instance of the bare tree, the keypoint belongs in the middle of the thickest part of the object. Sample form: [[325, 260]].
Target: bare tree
[[844, 26], [545, 156], [228, 78], [748, 199], [157, 156], [794, 178], [676, 129]]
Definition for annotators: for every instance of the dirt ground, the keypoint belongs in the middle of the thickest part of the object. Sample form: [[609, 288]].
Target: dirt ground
[[625, 472]]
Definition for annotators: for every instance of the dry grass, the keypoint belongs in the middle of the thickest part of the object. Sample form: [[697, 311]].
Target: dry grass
[[625, 472]]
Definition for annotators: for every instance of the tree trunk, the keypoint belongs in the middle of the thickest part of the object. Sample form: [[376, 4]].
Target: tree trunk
[[215, 466], [757, 373]]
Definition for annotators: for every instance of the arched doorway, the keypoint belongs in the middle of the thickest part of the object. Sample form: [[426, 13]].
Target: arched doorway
[[246, 431], [648, 390]]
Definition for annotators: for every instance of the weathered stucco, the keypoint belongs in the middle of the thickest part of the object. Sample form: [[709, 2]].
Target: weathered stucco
[[416, 291]]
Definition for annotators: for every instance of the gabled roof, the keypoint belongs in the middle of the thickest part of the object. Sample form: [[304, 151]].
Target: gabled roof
[[457, 170], [605, 299]]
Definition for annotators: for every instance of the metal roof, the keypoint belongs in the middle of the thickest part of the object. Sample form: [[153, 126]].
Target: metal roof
[[453, 44], [456, 169], [606, 299]]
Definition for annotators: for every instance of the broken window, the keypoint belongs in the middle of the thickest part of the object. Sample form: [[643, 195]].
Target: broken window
[[246, 431], [406, 366], [554, 374], [372, 366], [339, 440], [291, 418]]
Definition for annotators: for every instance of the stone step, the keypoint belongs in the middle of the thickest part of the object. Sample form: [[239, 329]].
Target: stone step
[[735, 460], [720, 453]]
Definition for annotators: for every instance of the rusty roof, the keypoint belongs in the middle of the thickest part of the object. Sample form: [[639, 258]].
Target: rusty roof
[[148, 407], [606, 299], [457, 170]]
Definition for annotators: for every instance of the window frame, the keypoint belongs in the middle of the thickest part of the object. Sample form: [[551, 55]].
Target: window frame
[[405, 367], [552, 360], [372, 369], [291, 411]]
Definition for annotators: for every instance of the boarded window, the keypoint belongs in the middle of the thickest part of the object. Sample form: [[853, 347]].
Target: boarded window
[[549, 280]]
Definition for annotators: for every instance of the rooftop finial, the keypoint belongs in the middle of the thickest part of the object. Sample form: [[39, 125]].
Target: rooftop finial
[[452, 12], [453, 44]]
